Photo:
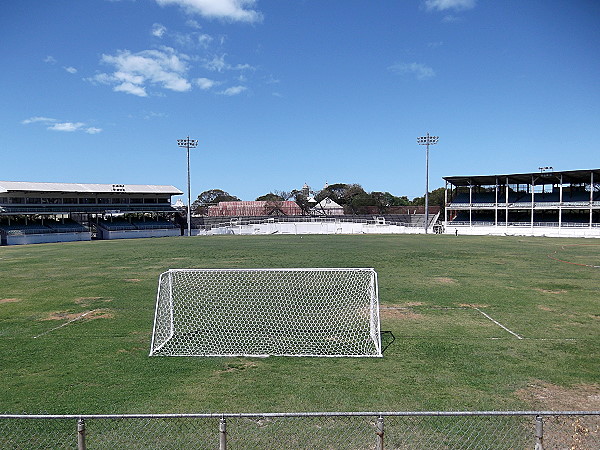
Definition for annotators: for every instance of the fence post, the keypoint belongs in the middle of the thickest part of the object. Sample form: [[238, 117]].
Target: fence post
[[539, 433], [81, 434], [379, 433], [223, 434]]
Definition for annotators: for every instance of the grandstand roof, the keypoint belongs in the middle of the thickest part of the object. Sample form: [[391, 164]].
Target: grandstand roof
[[568, 176], [26, 186]]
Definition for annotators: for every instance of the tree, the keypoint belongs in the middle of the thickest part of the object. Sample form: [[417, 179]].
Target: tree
[[301, 200], [270, 197], [211, 197], [436, 198], [334, 191], [356, 199], [384, 200]]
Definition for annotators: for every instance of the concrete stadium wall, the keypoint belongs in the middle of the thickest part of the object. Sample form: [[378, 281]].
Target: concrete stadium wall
[[312, 228], [512, 230], [137, 234], [47, 238]]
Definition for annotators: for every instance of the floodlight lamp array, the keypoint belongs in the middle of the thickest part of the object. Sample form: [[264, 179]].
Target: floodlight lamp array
[[427, 140], [187, 143]]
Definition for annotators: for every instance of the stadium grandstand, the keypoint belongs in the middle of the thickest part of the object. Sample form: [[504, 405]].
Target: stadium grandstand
[[545, 203], [61, 212]]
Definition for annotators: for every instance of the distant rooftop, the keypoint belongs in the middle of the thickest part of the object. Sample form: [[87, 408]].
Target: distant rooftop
[[26, 186], [568, 176]]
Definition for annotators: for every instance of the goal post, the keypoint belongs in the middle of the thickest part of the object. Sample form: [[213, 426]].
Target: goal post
[[267, 312]]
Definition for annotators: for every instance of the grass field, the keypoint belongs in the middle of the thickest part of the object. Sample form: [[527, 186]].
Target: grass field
[[76, 323]]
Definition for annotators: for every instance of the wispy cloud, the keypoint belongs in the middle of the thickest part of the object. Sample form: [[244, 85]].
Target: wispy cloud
[[50, 59], [445, 5], [205, 83], [231, 10], [420, 71], [158, 30], [38, 119], [133, 72], [66, 126], [57, 125], [234, 90], [218, 64], [70, 69], [205, 40], [193, 24]]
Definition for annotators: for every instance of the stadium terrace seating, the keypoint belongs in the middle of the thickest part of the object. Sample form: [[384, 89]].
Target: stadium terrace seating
[[29, 228], [134, 224], [116, 224], [153, 224]]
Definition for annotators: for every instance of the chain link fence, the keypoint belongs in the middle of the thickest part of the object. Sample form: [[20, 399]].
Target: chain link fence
[[537, 430]]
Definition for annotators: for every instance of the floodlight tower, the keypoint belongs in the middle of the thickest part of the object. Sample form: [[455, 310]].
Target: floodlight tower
[[188, 143], [427, 141]]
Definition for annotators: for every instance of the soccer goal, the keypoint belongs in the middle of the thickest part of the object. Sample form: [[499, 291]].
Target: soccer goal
[[261, 312]]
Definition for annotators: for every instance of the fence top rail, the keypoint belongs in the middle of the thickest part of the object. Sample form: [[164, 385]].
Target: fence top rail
[[299, 414], [284, 269]]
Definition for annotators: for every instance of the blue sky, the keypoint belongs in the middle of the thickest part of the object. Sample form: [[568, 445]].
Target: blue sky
[[285, 92]]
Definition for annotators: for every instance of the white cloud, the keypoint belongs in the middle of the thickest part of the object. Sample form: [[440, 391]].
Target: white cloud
[[443, 5], [71, 69], [134, 71], [205, 83], [158, 30], [218, 64], [450, 18], [233, 10], [50, 59], [56, 125], [205, 40], [420, 71], [193, 24], [38, 119], [235, 90], [66, 126], [130, 88]]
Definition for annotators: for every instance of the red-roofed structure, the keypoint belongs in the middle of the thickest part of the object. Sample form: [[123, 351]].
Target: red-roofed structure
[[255, 208]]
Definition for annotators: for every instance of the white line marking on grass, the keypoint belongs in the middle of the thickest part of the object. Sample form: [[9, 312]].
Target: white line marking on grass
[[498, 323], [64, 324]]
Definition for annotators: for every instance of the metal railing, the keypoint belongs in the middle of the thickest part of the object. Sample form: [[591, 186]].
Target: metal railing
[[233, 221], [537, 430], [480, 223]]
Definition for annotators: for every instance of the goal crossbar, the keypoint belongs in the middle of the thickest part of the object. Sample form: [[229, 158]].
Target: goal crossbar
[[329, 312]]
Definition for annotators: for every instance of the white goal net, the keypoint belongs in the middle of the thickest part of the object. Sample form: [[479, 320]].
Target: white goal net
[[260, 312]]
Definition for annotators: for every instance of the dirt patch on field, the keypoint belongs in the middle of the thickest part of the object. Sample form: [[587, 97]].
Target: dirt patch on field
[[87, 301], [9, 300], [131, 350], [551, 291], [399, 312], [472, 305], [445, 280], [237, 367], [132, 280], [540, 395], [87, 315], [545, 308]]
